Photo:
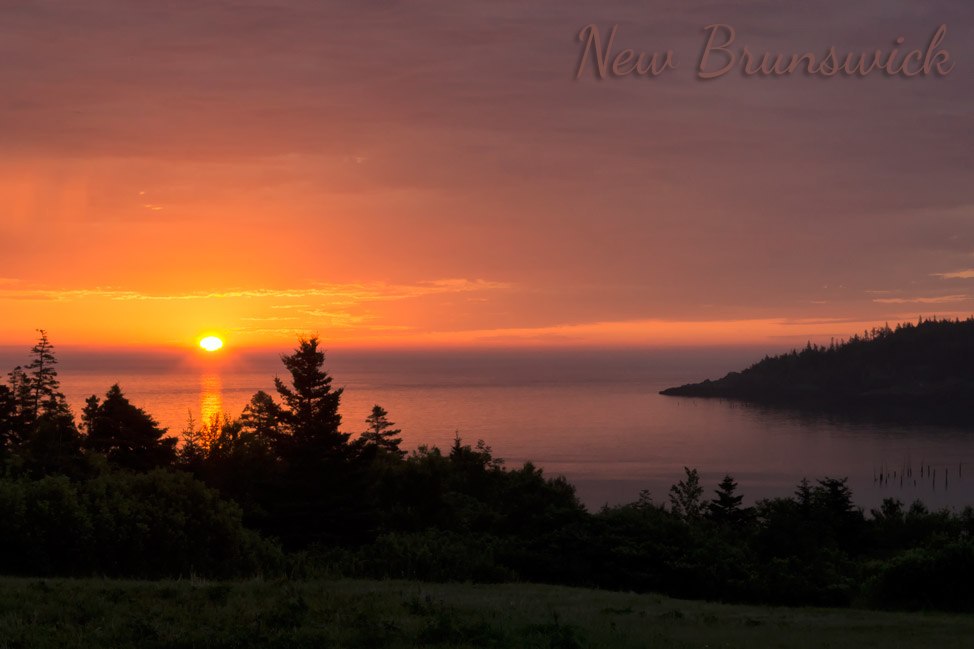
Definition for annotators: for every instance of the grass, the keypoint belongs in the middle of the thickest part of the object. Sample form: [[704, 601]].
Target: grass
[[67, 614]]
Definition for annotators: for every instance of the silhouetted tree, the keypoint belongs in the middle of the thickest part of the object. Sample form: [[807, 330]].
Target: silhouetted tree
[[194, 450], [311, 405], [803, 496], [40, 429], [834, 496], [22, 418], [53, 446], [381, 433], [726, 507], [262, 417], [685, 496], [35, 390], [127, 435], [8, 420], [44, 387]]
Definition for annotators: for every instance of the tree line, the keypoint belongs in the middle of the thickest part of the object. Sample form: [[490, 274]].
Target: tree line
[[283, 489]]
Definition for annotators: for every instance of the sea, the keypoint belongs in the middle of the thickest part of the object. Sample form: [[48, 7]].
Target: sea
[[594, 416]]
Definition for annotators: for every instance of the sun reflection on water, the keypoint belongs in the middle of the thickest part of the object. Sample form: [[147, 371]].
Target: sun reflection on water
[[211, 397]]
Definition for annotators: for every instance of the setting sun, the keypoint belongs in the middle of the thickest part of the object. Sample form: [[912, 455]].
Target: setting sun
[[211, 343]]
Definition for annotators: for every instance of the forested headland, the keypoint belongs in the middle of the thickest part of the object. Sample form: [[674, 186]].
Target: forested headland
[[924, 368], [286, 488]]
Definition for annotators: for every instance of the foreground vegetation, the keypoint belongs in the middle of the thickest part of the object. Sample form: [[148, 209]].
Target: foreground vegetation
[[282, 490], [78, 614]]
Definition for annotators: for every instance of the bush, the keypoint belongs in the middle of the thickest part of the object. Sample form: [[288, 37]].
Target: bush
[[152, 525], [925, 578]]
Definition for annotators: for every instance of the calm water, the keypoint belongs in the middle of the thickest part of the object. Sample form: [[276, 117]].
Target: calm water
[[595, 417]]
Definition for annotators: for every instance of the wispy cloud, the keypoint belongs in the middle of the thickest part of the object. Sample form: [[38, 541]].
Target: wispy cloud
[[338, 294], [938, 299], [957, 274]]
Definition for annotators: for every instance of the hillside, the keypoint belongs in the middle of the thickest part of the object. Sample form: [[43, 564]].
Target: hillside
[[928, 365]]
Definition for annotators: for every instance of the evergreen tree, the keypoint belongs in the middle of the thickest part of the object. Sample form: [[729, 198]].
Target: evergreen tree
[[381, 434], [834, 497], [23, 418], [39, 426], [726, 507], [803, 496], [8, 420], [311, 405], [127, 435], [193, 453], [45, 397], [685, 496], [262, 418], [53, 446]]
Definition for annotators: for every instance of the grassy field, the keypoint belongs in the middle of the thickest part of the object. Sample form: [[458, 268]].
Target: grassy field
[[212, 615]]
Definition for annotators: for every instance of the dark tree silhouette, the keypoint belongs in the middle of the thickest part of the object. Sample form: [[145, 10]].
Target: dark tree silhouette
[[310, 405], [45, 395], [726, 507], [37, 423], [381, 433], [53, 446], [194, 450], [8, 420], [685, 496], [803, 496], [262, 417], [35, 389], [22, 418], [127, 435]]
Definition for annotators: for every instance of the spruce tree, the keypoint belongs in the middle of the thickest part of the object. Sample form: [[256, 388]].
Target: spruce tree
[[381, 433], [45, 397], [310, 405], [262, 418], [8, 420], [127, 435], [726, 507], [41, 429]]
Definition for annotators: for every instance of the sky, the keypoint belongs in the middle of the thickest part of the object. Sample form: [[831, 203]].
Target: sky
[[432, 173]]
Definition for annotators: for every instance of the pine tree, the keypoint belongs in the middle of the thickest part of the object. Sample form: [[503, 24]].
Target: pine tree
[[42, 386], [803, 496], [726, 507], [381, 433], [41, 429], [193, 453], [8, 420], [23, 415], [127, 435], [262, 418], [311, 405]]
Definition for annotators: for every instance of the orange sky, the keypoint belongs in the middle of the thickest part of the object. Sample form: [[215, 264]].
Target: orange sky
[[432, 174]]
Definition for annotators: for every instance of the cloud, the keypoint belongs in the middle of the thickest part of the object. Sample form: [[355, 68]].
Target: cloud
[[957, 274], [939, 299], [337, 294], [357, 142]]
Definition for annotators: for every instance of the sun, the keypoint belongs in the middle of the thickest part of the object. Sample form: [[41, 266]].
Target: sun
[[211, 343]]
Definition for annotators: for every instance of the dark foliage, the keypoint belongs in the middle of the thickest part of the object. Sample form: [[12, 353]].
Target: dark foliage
[[135, 525], [128, 436]]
